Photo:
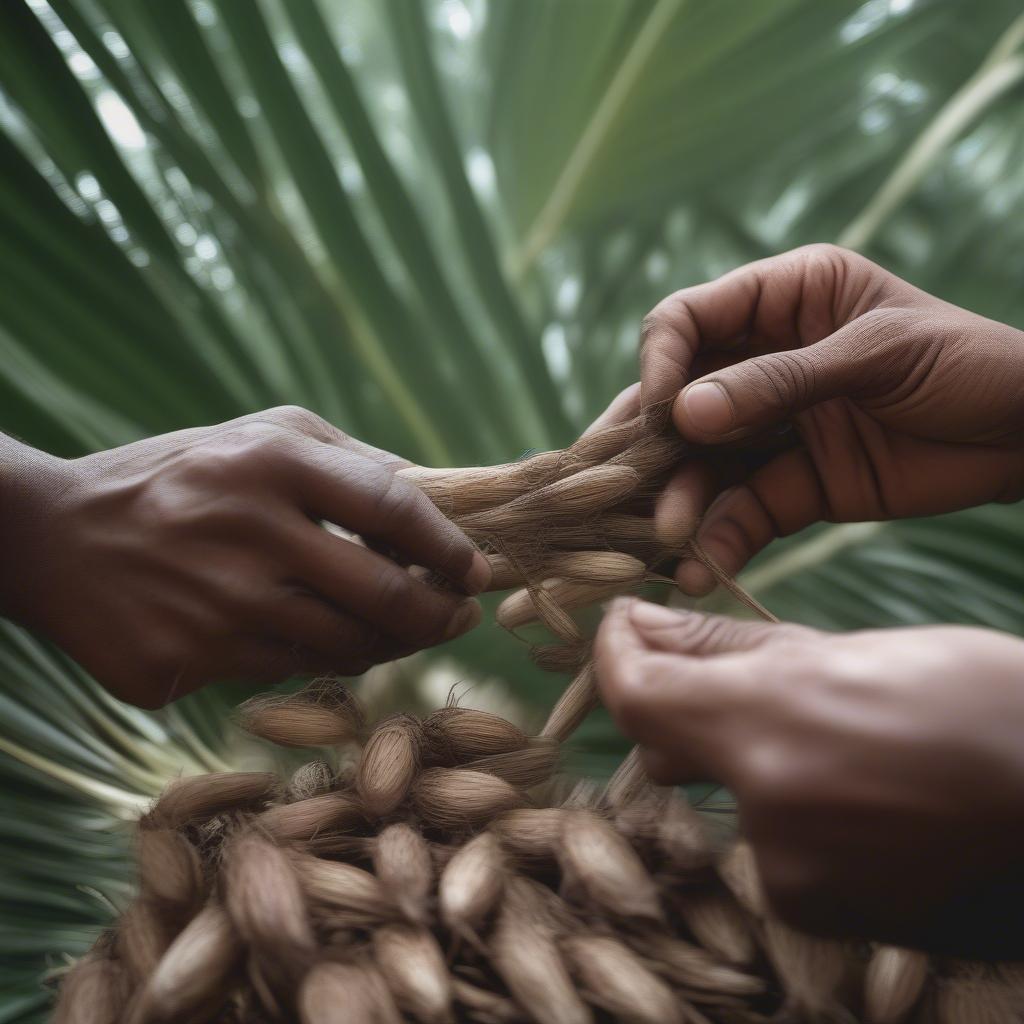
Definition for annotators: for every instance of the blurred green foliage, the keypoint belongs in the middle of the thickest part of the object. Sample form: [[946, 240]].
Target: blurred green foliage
[[438, 224]]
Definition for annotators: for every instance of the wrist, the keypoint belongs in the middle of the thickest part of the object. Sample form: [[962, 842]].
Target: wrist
[[31, 485]]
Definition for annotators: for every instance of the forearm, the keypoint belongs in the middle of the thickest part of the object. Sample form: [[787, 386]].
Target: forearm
[[31, 483]]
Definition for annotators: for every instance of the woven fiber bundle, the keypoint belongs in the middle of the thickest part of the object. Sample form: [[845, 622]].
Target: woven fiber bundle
[[448, 873]]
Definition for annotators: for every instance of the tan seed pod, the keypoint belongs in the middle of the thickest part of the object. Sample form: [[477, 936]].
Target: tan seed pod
[[344, 887], [969, 1000], [718, 924], [403, 863], [170, 872], [191, 800], [683, 838], [456, 798], [524, 768], [551, 601], [346, 993], [811, 969], [597, 568], [561, 657], [471, 884], [193, 975], [628, 782], [305, 820], [453, 736], [268, 908], [484, 1006], [525, 956], [311, 779], [141, 940], [614, 978], [738, 869], [505, 573], [388, 766], [411, 963], [693, 968], [893, 984], [530, 833], [599, 862], [297, 722], [577, 701], [92, 992]]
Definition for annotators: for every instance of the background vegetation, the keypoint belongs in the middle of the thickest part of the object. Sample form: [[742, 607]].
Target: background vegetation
[[438, 224]]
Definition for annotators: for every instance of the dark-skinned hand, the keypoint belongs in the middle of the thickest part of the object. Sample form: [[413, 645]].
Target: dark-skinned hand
[[199, 556], [903, 405], [879, 775]]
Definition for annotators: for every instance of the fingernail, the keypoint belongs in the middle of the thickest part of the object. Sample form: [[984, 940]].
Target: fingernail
[[708, 408], [466, 616], [479, 576], [646, 615]]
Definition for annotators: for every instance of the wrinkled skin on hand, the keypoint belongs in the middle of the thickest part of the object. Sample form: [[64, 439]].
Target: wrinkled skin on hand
[[903, 404], [879, 775], [198, 556]]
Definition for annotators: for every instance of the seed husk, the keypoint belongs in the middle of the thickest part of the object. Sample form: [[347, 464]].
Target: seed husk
[[619, 983], [344, 887], [471, 883], [305, 820], [193, 974], [405, 868], [453, 736], [694, 968], [528, 961], [525, 768], [577, 701], [530, 833], [388, 766], [811, 969], [456, 798], [893, 984], [411, 963], [170, 871], [718, 924], [602, 864], [346, 993], [93, 992], [191, 800], [311, 779]]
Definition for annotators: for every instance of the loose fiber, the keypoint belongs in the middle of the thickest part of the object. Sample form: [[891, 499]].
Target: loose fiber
[[438, 870]]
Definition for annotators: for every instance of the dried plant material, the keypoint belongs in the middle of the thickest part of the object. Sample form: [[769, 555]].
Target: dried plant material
[[456, 798], [388, 766], [525, 768], [738, 869], [344, 887], [453, 736], [811, 969], [555, 598], [970, 1000], [346, 993], [717, 923], [530, 833], [594, 857], [311, 779], [525, 955], [893, 984], [405, 868], [268, 908], [411, 963], [690, 967], [191, 800], [323, 714], [618, 982], [305, 820], [485, 1006], [170, 872], [141, 939], [192, 978], [578, 700], [505, 574], [471, 883], [561, 657], [628, 781], [93, 992]]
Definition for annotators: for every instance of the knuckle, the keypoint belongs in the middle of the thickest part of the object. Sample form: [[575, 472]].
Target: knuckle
[[295, 417], [667, 313], [396, 505], [786, 377]]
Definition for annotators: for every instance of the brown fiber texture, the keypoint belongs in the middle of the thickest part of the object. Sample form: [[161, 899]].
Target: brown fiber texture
[[447, 873]]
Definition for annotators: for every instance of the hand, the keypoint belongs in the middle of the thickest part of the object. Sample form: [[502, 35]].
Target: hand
[[879, 775], [904, 405], [199, 556]]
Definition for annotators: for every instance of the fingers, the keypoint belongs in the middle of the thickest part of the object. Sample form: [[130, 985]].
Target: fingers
[[678, 683], [377, 591], [359, 495], [781, 498], [623, 407]]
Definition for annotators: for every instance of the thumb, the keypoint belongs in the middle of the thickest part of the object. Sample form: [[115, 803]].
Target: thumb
[[766, 390]]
